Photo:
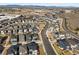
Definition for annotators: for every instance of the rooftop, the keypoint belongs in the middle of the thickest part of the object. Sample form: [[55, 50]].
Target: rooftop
[[3, 17]]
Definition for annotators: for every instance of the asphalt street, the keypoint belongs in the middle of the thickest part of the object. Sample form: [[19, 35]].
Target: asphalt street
[[47, 45]]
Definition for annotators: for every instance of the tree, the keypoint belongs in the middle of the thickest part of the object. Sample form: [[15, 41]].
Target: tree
[[77, 29]]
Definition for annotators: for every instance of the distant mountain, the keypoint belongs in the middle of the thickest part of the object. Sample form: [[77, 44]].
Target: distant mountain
[[33, 6]]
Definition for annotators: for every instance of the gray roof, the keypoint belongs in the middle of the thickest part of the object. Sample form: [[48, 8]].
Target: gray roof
[[32, 46]]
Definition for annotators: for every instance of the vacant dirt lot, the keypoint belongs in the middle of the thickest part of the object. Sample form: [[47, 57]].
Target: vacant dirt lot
[[73, 20]]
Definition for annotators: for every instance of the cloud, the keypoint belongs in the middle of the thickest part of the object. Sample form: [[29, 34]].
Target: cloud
[[38, 1], [41, 2]]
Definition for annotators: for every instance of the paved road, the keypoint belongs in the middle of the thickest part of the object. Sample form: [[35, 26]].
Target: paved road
[[64, 25], [46, 42]]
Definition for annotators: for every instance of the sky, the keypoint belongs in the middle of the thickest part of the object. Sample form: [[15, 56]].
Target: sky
[[41, 2]]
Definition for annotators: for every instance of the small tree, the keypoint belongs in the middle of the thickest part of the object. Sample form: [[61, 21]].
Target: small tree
[[77, 29]]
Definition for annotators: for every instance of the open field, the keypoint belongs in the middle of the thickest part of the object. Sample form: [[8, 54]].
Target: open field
[[73, 20]]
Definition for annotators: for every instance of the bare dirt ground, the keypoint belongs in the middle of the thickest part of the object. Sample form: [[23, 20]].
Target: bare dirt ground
[[73, 20]]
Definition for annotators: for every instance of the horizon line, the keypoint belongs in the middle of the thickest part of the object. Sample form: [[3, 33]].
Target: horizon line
[[44, 4]]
